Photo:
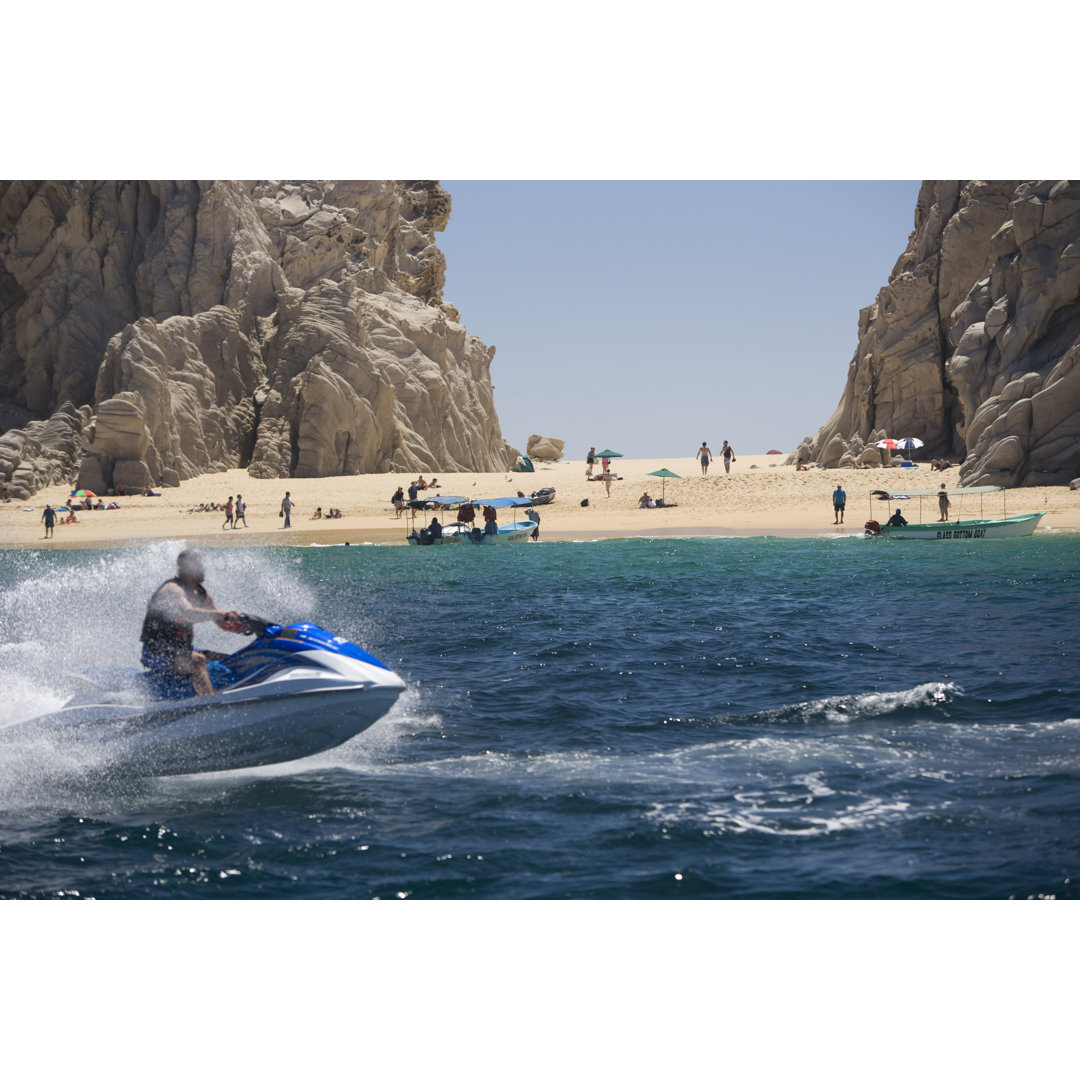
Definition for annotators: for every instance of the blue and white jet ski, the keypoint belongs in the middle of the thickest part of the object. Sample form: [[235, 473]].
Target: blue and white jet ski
[[295, 691]]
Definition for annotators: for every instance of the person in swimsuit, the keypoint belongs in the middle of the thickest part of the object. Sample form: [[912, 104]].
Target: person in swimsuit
[[167, 630], [704, 456], [728, 455]]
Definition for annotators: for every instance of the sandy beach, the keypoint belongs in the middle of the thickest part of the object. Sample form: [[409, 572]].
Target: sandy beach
[[758, 497]]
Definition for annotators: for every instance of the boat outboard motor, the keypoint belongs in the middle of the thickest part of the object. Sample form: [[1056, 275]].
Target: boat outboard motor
[[872, 528], [425, 537]]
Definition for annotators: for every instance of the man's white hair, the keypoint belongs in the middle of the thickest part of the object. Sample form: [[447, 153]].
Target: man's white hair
[[190, 557]]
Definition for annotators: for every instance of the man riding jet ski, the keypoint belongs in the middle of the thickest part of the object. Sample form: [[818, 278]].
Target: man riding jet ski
[[294, 691], [167, 631]]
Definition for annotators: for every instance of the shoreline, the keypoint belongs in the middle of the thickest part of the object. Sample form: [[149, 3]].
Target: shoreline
[[758, 498]]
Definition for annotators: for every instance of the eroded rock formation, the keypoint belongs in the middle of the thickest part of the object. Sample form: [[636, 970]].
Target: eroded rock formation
[[290, 328], [545, 447], [974, 344]]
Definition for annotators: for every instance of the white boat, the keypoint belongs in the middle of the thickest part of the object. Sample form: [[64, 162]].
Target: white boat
[[296, 691], [513, 532], [450, 533], [960, 528]]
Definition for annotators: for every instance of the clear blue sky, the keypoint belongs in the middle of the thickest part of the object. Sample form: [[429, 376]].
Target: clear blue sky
[[647, 316]]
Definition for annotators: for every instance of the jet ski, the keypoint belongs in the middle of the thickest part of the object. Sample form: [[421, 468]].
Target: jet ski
[[295, 691]]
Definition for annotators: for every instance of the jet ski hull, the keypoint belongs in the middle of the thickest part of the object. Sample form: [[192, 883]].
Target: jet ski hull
[[312, 700]]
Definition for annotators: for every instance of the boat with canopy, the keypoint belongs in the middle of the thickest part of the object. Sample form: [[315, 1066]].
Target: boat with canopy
[[510, 533], [982, 527], [448, 532]]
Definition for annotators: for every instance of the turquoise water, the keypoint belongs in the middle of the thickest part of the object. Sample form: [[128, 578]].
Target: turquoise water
[[649, 719]]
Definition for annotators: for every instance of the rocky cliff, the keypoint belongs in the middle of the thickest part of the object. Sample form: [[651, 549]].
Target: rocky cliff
[[974, 344], [151, 331]]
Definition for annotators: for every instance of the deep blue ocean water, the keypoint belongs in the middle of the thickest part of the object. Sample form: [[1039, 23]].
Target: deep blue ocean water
[[641, 719]]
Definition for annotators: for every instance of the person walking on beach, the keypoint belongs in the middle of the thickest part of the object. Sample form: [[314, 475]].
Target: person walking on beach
[[839, 500], [241, 512], [590, 460], [286, 510], [728, 455], [606, 477], [398, 501], [704, 455], [48, 515], [228, 515]]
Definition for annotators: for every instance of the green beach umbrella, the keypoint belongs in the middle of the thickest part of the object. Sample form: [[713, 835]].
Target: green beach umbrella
[[665, 473], [609, 453]]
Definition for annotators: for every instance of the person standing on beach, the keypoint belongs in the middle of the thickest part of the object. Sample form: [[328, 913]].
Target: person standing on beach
[[241, 511], [286, 510], [728, 455], [48, 515], [590, 460], [704, 455], [228, 514], [943, 504], [839, 500], [606, 477]]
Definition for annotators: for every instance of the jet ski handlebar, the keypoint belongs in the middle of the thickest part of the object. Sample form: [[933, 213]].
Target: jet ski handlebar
[[251, 624]]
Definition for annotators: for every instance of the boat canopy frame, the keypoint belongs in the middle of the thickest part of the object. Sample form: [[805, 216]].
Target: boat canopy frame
[[925, 493]]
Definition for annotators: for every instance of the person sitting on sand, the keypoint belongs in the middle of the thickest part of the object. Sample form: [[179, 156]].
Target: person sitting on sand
[[334, 512], [421, 484], [318, 514], [434, 482], [645, 503]]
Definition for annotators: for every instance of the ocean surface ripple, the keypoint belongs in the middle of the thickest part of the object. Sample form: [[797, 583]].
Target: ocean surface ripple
[[628, 719]]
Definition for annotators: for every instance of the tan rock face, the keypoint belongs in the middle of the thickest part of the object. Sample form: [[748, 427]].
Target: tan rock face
[[974, 344], [292, 328], [545, 448]]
